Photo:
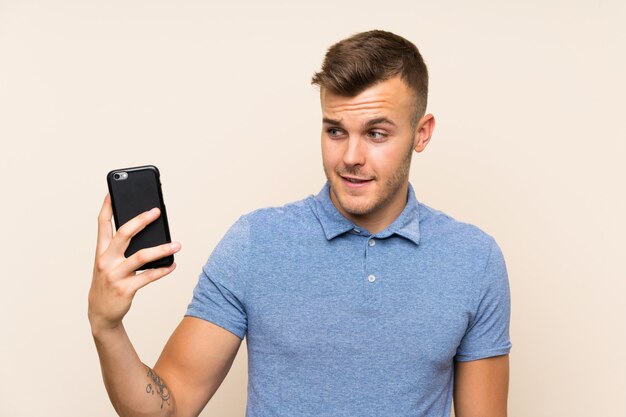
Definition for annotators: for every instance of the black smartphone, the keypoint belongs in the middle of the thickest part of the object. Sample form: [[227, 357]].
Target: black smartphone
[[133, 191]]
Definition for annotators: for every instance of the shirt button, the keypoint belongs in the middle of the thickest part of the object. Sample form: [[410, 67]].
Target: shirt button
[[372, 242], [356, 230], [371, 278]]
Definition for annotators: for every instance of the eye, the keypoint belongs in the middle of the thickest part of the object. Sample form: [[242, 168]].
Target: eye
[[334, 132], [377, 136]]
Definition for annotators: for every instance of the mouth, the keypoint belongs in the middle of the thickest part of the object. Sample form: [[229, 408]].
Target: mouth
[[355, 182]]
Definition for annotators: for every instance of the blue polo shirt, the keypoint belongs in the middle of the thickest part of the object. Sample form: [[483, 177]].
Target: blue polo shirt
[[343, 323]]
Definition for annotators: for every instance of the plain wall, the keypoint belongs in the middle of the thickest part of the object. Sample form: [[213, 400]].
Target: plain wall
[[529, 146]]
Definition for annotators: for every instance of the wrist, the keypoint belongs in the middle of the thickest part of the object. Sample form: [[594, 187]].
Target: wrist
[[102, 330]]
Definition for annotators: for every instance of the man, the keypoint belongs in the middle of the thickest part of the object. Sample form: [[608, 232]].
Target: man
[[359, 301]]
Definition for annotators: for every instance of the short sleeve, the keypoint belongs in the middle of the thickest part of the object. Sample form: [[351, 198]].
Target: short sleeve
[[487, 334], [219, 294]]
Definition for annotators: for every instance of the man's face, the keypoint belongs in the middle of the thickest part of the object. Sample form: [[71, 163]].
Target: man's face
[[367, 143]]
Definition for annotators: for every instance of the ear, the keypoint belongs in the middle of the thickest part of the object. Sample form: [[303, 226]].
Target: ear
[[424, 132]]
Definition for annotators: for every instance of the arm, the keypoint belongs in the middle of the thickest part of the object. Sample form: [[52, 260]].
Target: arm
[[195, 361], [196, 358], [191, 368], [481, 387]]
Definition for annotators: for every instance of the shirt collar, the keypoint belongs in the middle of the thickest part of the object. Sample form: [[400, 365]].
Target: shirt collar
[[335, 224]]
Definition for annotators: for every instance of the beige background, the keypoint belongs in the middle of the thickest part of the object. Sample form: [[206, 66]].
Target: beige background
[[529, 145]]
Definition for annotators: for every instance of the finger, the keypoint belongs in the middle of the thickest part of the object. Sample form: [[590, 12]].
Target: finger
[[131, 228], [151, 275], [143, 256], [105, 229]]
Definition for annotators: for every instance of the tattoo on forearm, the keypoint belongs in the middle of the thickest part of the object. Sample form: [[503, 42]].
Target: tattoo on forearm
[[161, 389]]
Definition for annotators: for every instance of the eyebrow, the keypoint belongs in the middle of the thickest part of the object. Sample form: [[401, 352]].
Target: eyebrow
[[380, 121], [328, 121], [369, 123]]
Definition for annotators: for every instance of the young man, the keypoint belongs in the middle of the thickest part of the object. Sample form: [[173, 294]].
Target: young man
[[359, 301]]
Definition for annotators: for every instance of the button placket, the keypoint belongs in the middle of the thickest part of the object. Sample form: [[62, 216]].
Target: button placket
[[371, 242], [371, 278]]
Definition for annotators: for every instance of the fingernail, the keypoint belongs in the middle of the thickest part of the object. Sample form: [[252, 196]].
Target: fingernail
[[175, 245], [154, 210]]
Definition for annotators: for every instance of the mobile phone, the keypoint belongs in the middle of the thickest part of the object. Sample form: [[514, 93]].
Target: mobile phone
[[133, 191]]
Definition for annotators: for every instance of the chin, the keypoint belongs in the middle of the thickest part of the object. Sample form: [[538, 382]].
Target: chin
[[356, 206]]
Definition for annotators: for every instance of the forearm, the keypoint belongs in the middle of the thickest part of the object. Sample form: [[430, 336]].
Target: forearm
[[134, 388]]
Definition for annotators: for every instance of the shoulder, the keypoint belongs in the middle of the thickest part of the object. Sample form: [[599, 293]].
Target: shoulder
[[469, 256], [442, 231], [259, 231], [295, 215]]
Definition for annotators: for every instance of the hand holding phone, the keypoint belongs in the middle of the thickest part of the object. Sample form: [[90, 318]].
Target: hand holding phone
[[115, 280]]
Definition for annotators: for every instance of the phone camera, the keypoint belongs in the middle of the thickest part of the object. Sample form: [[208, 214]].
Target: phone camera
[[118, 176]]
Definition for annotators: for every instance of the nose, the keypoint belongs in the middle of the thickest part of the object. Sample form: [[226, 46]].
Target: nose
[[354, 153]]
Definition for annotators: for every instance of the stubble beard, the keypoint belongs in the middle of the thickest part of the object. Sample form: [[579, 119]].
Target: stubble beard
[[390, 189]]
